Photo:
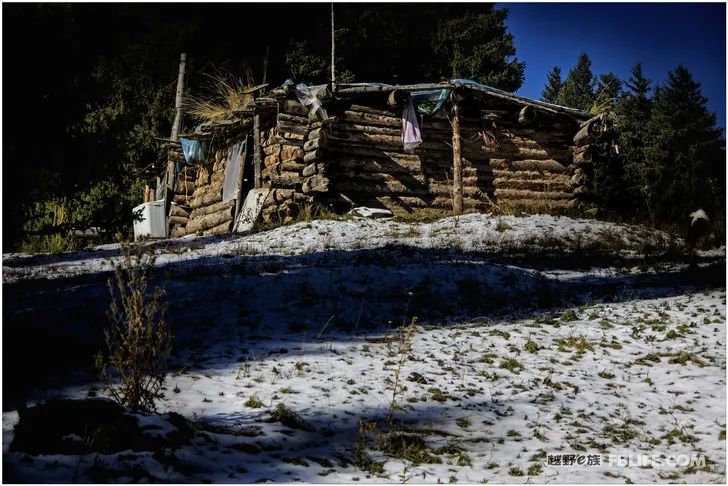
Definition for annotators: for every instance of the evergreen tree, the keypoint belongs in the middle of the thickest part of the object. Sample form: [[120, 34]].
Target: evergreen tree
[[609, 173], [633, 111], [608, 88], [476, 45], [685, 152], [553, 85], [411, 43], [578, 88]]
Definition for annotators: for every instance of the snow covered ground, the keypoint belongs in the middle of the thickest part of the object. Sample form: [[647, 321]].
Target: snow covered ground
[[513, 359], [469, 233]]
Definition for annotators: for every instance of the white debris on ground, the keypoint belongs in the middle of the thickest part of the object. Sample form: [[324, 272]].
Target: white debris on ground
[[472, 232], [489, 396], [372, 213]]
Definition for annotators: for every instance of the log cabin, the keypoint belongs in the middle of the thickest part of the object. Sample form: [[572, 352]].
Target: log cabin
[[441, 148]]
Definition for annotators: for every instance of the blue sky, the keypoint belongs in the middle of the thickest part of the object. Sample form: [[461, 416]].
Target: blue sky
[[618, 35]]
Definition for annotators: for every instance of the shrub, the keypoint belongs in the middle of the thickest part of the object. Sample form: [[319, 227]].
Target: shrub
[[253, 402], [137, 337], [40, 215]]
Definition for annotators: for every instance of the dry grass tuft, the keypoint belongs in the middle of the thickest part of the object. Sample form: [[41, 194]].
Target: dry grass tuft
[[224, 94]]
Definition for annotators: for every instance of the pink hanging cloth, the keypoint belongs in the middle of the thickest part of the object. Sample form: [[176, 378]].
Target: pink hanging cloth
[[411, 135]]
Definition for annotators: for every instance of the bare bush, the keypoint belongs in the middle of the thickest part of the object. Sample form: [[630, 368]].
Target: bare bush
[[138, 339]]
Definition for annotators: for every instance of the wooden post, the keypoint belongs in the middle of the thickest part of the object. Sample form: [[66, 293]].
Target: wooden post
[[265, 64], [178, 98], [457, 162], [174, 136], [256, 151], [333, 72]]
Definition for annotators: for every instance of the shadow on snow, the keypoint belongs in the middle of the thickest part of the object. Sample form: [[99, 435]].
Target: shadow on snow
[[256, 304]]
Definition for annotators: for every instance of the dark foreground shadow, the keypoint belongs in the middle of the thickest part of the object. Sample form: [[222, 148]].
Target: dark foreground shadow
[[114, 445], [53, 328]]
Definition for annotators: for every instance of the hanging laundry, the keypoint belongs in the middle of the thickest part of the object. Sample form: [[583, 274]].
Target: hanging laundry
[[429, 102], [411, 136], [310, 97], [193, 150]]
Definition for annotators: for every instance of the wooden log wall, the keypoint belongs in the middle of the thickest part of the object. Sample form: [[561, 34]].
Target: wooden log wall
[[197, 205], [283, 163], [510, 157], [530, 154], [359, 158]]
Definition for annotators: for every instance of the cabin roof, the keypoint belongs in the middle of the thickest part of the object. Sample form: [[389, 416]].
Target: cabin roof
[[267, 102], [347, 89]]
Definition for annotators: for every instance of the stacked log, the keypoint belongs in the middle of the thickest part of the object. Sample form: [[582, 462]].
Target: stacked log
[[531, 160], [178, 214], [510, 156], [183, 186], [205, 212], [586, 147], [316, 180], [358, 157], [284, 164]]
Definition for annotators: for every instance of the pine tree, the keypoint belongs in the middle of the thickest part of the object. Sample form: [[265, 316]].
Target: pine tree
[[633, 114], [415, 42], [684, 151], [475, 44], [578, 88], [553, 85], [608, 88], [609, 172]]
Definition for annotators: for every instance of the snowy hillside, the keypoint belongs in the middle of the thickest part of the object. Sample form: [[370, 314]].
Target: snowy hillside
[[469, 233], [535, 337]]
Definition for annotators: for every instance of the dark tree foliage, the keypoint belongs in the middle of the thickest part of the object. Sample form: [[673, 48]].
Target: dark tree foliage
[[475, 45], [609, 172], [551, 91], [685, 152], [671, 157], [407, 43], [633, 111], [578, 88], [94, 84], [382, 42], [608, 88], [668, 158]]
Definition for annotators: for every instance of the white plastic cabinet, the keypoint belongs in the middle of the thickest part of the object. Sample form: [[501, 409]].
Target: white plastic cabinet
[[150, 220]]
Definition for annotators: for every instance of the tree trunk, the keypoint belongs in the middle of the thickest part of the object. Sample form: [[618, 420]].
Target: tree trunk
[[176, 125], [457, 163]]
